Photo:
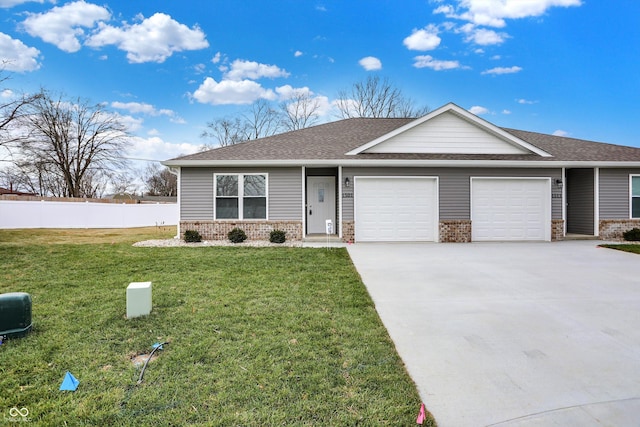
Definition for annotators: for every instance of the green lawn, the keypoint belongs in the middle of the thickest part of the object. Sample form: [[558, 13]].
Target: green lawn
[[258, 336], [626, 247]]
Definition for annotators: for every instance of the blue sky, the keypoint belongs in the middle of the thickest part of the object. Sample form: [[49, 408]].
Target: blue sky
[[569, 67]]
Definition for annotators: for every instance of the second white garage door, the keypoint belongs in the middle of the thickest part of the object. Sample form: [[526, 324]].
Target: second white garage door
[[505, 209], [390, 209]]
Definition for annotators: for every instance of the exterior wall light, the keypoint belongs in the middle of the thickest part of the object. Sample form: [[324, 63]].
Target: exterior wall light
[[347, 182]]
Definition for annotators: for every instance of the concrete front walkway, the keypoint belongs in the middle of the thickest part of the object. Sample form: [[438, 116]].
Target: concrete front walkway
[[513, 334]]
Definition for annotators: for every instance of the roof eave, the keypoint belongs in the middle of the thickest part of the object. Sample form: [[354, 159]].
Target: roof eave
[[403, 163]]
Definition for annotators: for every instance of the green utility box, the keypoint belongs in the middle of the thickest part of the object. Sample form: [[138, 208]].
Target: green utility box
[[15, 314]]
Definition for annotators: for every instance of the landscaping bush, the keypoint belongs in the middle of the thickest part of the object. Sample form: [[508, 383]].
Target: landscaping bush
[[632, 235], [192, 236], [277, 236], [237, 235]]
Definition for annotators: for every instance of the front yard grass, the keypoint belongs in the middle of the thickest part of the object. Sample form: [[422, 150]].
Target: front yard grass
[[626, 247], [257, 337]]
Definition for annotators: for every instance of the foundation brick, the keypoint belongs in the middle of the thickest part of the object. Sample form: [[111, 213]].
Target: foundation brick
[[255, 230], [455, 231], [612, 229], [557, 230]]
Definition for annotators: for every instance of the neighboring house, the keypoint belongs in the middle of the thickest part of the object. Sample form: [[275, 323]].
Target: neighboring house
[[448, 176]]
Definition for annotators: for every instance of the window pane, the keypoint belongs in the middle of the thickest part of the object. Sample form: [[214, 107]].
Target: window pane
[[255, 185], [226, 208], [635, 207], [227, 185], [635, 185], [254, 208]]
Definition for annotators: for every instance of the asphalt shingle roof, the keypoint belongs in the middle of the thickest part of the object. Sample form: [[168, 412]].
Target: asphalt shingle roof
[[331, 141]]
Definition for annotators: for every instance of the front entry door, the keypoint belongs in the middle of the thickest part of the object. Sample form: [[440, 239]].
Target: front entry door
[[321, 203]]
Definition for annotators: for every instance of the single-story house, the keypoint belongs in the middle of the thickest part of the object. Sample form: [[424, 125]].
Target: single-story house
[[448, 176]]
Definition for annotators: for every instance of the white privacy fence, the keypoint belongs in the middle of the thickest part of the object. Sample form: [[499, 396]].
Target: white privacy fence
[[48, 214]]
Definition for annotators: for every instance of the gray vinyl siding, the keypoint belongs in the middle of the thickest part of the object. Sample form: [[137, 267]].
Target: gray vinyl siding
[[614, 193], [284, 187], [454, 196], [580, 198]]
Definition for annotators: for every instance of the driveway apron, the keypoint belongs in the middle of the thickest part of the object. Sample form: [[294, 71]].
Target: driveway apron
[[513, 334]]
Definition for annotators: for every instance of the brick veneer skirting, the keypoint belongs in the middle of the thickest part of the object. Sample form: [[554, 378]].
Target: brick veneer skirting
[[557, 229], [255, 230], [455, 231], [348, 231], [612, 229]]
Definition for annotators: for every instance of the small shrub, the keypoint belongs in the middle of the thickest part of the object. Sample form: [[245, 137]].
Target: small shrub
[[277, 236], [192, 236], [632, 235], [237, 235]]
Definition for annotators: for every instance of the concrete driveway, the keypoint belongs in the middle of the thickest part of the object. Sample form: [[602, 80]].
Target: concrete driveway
[[513, 334]]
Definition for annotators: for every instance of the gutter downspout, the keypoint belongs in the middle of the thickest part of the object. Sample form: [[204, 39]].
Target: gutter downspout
[[596, 202], [177, 172]]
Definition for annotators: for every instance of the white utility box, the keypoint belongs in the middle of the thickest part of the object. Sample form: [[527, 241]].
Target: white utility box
[[138, 299]]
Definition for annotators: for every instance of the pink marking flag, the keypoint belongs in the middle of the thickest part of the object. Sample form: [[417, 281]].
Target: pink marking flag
[[421, 415]]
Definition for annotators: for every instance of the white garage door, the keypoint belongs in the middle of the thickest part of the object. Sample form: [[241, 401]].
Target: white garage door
[[390, 209], [505, 209]]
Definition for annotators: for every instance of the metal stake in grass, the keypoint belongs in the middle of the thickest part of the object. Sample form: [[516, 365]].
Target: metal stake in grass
[[155, 347]]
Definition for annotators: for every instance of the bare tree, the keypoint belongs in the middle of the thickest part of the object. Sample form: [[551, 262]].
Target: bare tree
[[75, 144], [225, 132], [160, 181], [10, 113], [301, 110], [375, 97], [123, 182], [260, 120]]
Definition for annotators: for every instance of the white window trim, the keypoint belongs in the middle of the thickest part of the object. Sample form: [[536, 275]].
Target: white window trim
[[631, 176], [241, 196]]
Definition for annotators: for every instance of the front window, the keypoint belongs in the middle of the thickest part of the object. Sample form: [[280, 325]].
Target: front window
[[635, 196], [241, 196]]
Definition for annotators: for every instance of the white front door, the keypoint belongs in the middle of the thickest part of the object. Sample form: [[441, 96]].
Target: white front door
[[321, 203]]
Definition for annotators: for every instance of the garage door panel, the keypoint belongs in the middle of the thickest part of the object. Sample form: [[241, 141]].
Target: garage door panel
[[510, 209], [395, 209]]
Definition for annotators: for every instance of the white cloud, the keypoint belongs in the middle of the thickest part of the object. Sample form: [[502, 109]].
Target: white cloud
[[503, 70], [325, 107], [482, 36], [143, 108], [216, 58], [155, 148], [370, 63], [297, 54], [506, 112], [424, 39], [241, 69], [427, 61], [63, 26], [287, 92], [231, 92], [5, 4], [154, 39], [561, 132], [493, 13], [6, 94], [478, 110], [525, 101], [199, 68], [17, 56]]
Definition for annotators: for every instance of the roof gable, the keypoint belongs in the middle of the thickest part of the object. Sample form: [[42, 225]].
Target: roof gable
[[449, 130]]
